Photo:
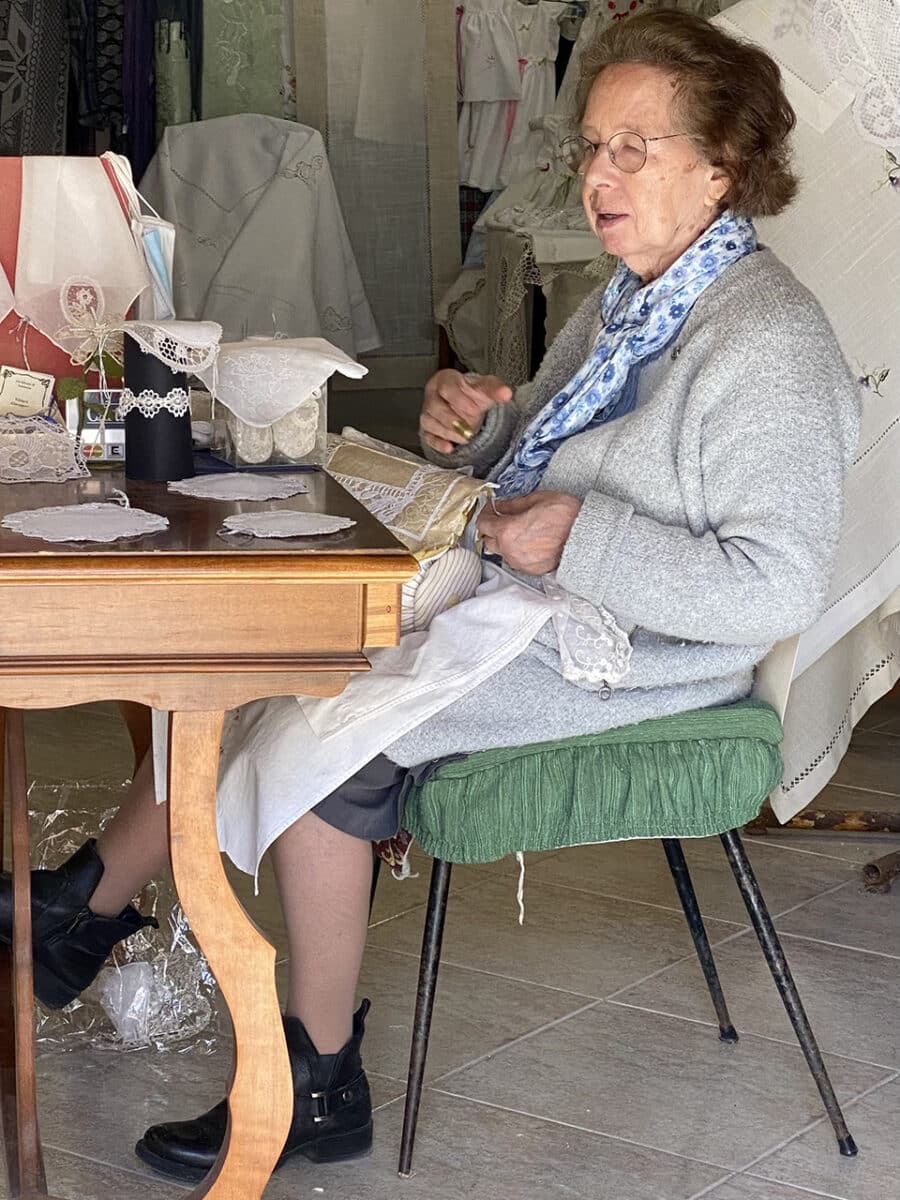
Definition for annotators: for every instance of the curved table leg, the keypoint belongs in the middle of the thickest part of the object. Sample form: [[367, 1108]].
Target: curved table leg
[[243, 961]]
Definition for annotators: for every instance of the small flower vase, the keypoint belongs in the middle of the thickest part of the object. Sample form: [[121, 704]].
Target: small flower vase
[[156, 403]]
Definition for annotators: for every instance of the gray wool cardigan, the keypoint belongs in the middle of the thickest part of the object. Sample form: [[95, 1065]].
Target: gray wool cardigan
[[710, 515]]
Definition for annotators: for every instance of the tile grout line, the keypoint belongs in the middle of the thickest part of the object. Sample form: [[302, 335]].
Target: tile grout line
[[711, 1187], [790, 1042], [457, 966], [806, 937], [597, 1133], [523, 1037], [848, 1104]]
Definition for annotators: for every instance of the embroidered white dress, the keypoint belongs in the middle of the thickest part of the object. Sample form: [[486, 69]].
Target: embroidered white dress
[[496, 142]]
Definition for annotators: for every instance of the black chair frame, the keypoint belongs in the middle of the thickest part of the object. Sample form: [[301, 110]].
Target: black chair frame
[[765, 932]]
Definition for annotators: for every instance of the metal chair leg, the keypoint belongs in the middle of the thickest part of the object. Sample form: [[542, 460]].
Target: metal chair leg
[[688, 897], [784, 980], [428, 971]]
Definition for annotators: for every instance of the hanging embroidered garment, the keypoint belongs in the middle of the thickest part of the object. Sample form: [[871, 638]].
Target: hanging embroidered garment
[[77, 268], [261, 245], [496, 141]]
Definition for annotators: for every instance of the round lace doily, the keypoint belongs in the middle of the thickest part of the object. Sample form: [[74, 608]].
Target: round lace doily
[[243, 486], [284, 523], [84, 523], [148, 403], [36, 449]]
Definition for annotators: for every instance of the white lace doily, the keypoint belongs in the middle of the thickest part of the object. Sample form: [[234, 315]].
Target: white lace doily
[[240, 486], [37, 450], [262, 380], [595, 652], [148, 403], [84, 523], [284, 523]]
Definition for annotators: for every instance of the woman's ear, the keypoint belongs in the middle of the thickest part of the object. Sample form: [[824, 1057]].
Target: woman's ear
[[717, 186]]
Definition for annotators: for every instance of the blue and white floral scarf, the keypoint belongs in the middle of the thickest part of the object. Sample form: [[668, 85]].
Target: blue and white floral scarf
[[638, 321]]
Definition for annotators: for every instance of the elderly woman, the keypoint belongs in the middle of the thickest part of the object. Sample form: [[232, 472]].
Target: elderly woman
[[678, 461]]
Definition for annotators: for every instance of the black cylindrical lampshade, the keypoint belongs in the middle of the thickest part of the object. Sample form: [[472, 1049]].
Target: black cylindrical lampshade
[[157, 448]]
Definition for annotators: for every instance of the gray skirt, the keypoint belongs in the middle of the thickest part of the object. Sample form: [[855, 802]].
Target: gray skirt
[[369, 805]]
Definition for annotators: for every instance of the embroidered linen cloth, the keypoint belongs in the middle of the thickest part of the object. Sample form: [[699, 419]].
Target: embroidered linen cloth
[[261, 244], [851, 656]]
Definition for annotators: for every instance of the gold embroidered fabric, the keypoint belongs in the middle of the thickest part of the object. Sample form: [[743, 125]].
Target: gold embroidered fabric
[[425, 507]]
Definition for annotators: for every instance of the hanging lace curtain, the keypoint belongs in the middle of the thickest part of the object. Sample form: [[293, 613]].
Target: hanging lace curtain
[[378, 78]]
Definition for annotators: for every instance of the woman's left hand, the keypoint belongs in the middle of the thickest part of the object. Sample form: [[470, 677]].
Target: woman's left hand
[[529, 532]]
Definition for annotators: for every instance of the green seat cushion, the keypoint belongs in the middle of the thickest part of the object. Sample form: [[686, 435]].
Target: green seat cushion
[[690, 775]]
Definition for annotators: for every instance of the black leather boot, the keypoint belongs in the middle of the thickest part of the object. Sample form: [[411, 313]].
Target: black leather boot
[[69, 943], [332, 1112]]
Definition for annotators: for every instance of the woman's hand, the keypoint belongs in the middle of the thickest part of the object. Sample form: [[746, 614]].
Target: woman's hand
[[454, 407], [529, 532]]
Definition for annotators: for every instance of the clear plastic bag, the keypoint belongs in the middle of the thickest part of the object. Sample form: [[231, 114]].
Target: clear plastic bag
[[157, 991]]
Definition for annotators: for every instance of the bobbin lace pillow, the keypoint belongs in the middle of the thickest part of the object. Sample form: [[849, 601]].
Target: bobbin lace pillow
[[37, 450], [148, 403]]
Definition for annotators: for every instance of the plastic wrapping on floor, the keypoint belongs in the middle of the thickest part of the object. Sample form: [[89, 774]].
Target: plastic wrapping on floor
[[157, 990]]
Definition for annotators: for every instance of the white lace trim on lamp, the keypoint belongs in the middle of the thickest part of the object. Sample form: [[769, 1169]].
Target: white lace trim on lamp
[[148, 403], [96, 522], [37, 450], [242, 485], [283, 523]]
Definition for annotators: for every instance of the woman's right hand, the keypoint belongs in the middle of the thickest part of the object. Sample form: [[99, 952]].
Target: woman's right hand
[[454, 407]]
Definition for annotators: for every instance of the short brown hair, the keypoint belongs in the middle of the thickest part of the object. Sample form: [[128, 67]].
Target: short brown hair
[[728, 96]]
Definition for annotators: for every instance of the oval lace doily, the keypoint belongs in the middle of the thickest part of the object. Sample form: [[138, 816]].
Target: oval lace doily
[[84, 523], [229, 485], [284, 523]]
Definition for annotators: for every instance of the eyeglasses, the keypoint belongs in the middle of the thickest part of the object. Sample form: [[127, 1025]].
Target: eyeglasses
[[626, 150]]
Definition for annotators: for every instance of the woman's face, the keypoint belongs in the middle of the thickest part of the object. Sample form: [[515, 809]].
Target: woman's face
[[648, 218]]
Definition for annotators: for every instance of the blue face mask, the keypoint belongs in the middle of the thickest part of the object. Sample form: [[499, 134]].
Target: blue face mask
[[158, 241]]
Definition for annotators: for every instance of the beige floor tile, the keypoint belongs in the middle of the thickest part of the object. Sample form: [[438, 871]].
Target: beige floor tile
[[474, 1013], [589, 944], [810, 1161], [469, 1150], [851, 996], [851, 916], [744, 1187], [872, 762], [662, 1082], [638, 871], [77, 1178]]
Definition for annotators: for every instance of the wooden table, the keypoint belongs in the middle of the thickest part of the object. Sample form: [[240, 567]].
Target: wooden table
[[188, 622]]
